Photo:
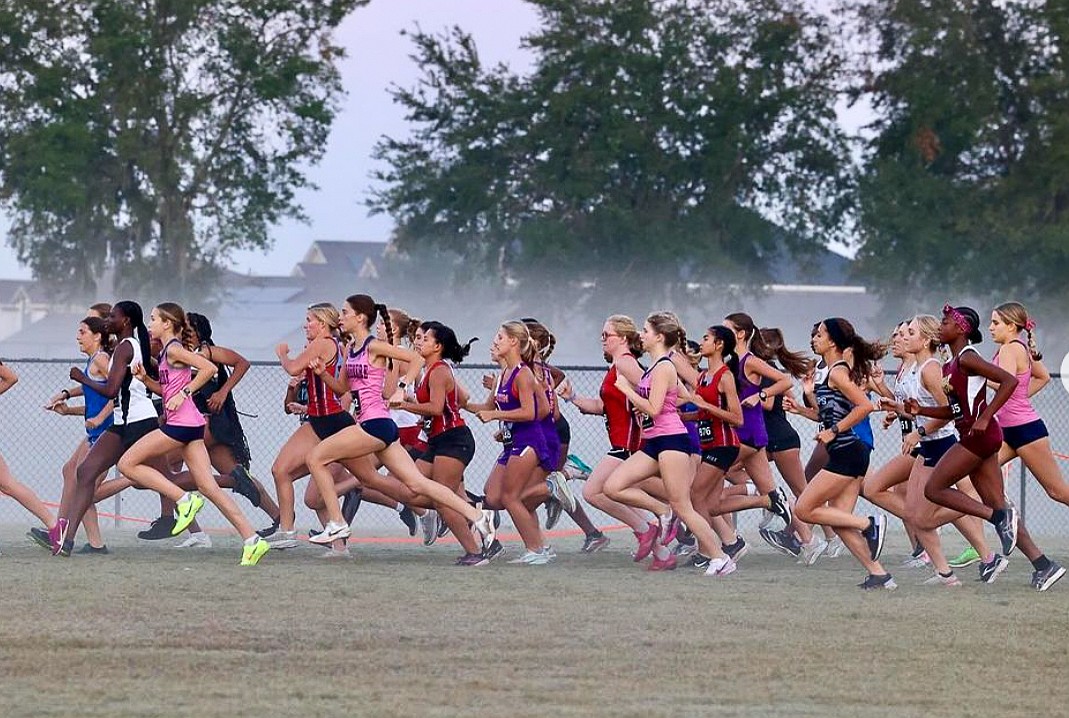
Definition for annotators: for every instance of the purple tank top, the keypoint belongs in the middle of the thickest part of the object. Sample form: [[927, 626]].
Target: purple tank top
[[753, 430], [667, 421], [172, 379], [366, 383], [505, 398]]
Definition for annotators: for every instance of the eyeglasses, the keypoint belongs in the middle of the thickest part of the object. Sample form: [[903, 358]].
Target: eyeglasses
[[605, 336]]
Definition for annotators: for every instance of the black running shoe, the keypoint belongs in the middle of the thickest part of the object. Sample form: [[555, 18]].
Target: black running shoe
[[443, 527], [1042, 580], [700, 561], [554, 509], [736, 550], [40, 537], [244, 485], [350, 504], [875, 535], [65, 549], [1007, 530], [160, 529], [990, 571], [408, 519], [93, 550], [270, 530], [494, 551], [876, 583], [782, 541], [777, 504]]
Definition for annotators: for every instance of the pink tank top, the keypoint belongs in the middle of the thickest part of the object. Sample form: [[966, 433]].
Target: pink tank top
[[366, 382], [172, 380], [667, 421], [1018, 408]]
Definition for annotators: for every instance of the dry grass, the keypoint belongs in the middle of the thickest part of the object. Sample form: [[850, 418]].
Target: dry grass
[[153, 631]]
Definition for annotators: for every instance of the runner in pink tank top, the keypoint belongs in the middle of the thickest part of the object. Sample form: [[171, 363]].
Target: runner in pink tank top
[[366, 384], [173, 380]]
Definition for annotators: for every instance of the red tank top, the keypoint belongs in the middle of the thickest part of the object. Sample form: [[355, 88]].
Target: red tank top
[[450, 417], [712, 431], [322, 401], [967, 393], [619, 419]]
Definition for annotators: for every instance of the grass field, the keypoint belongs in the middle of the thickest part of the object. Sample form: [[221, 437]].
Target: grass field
[[153, 631]]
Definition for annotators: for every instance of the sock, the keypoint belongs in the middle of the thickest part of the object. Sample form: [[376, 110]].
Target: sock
[[751, 489], [1041, 562], [185, 497], [997, 515], [990, 557], [948, 574], [251, 540], [400, 508]]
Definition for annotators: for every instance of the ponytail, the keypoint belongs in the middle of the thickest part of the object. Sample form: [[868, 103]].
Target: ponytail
[[452, 349], [771, 346], [866, 353], [730, 357]]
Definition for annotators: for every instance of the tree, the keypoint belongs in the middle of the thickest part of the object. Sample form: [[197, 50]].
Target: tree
[[966, 180], [157, 136], [652, 141]]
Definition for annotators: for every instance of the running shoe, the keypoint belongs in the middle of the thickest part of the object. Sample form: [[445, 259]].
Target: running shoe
[[812, 551], [535, 558], [937, 580], [408, 518], [875, 583], [553, 511], [270, 530], [595, 542], [66, 549], [428, 524], [90, 550], [196, 540], [186, 511], [57, 536], [472, 559], [40, 537], [836, 547], [332, 554], [966, 558], [251, 555], [685, 545], [282, 540], [920, 561], [161, 528], [667, 564], [442, 528], [989, 571], [875, 535], [496, 550], [778, 505], [720, 567], [782, 541], [576, 468], [1007, 530], [486, 529], [670, 527], [561, 491], [700, 561], [646, 542], [350, 504], [736, 550], [1042, 580], [244, 485], [331, 533]]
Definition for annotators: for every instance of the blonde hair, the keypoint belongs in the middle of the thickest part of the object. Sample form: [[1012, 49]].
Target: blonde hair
[[328, 314], [627, 329], [405, 326], [517, 330], [929, 330], [1014, 313], [667, 324]]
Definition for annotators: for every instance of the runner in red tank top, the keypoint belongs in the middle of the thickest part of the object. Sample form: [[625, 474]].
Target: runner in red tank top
[[976, 455], [620, 344]]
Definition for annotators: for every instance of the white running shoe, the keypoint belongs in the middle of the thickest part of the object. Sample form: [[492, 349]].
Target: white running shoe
[[428, 523], [812, 551], [836, 548], [720, 567], [484, 529], [281, 540], [558, 486], [937, 580], [331, 533], [196, 540], [536, 558]]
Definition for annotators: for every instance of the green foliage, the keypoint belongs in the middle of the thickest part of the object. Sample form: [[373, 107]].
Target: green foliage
[[966, 184], [681, 136], [158, 136]]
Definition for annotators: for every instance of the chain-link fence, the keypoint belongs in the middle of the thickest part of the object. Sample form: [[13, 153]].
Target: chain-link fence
[[37, 442]]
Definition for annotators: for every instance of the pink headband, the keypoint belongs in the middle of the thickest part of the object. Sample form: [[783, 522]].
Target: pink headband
[[960, 319]]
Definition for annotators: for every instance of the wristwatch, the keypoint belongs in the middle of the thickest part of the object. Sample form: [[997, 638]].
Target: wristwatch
[[402, 384], [921, 431], [762, 395], [186, 391]]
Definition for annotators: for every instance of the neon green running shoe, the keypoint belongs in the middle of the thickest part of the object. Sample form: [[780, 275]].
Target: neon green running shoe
[[251, 555], [967, 558], [185, 512]]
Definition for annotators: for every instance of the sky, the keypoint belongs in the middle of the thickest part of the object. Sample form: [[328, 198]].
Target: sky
[[377, 58]]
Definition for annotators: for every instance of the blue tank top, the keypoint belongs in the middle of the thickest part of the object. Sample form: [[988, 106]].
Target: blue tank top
[[95, 403]]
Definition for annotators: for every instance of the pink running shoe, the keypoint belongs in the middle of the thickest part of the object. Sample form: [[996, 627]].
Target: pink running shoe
[[670, 528], [57, 534], [646, 542], [668, 564]]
